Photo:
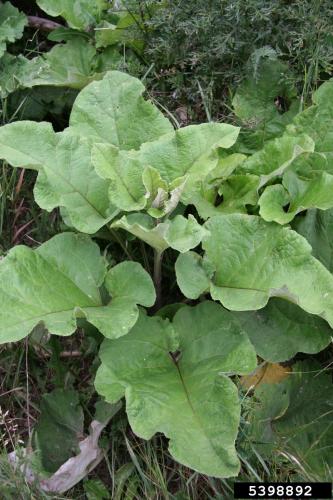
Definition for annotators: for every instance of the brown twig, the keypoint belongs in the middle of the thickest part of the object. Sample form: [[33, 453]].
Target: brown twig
[[43, 24]]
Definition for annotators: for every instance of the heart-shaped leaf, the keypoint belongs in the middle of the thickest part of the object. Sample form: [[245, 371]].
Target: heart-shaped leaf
[[176, 382], [254, 260], [61, 281]]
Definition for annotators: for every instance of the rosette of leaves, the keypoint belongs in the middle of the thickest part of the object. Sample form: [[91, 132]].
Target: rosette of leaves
[[121, 165]]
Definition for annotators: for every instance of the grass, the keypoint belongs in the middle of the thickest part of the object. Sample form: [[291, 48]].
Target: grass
[[133, 468]]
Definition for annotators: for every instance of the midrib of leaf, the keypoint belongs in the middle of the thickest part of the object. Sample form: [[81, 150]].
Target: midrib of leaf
[[48, 168], [28, 155], [39, 317], [73, 188], [114, 113], [67, 278], [195, 415], [126, 187], [76, 191], [43, 314]]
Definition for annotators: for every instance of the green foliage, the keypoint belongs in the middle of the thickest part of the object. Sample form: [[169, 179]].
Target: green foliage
[[317, 228], [281, 329], [59, 428], [79, 14], [12, 23], [201, 49], [295, 418], [120, 172], [80, 57], [61, 281], [251, 261], [184, 394]]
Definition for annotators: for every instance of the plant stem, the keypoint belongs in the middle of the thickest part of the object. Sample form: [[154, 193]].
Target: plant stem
[[120, 241], [158, 256]]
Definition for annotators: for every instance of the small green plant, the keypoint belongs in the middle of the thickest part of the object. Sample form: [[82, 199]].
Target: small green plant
[[213, 217]]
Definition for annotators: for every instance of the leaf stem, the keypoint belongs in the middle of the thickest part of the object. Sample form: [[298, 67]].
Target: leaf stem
[[158, 256]]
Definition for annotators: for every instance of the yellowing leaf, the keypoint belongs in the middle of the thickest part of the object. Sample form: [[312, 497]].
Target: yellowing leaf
[[268, 373]]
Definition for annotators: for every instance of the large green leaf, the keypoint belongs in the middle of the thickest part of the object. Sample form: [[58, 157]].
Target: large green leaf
[[175, 381], [188, 154], [317, 228], [282, 329], [66, 177], [254, 260], [59, 428], [79, 14], [294, 419], [61, 281], [307, 183], [113, 111], [12, 23]]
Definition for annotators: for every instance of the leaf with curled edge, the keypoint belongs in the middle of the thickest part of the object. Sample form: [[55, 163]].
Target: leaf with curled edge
[[179, 233], [175, 380], [162, 197], [275, 157], [190, 151], [307, 183], [254, 260], [60, 281]]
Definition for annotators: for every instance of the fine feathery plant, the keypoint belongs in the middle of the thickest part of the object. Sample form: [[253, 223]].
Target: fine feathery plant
[[251, 287], [200, 49]]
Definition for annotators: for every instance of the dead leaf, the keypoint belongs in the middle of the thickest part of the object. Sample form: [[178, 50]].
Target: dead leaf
[[268, 373], [74, 469]]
